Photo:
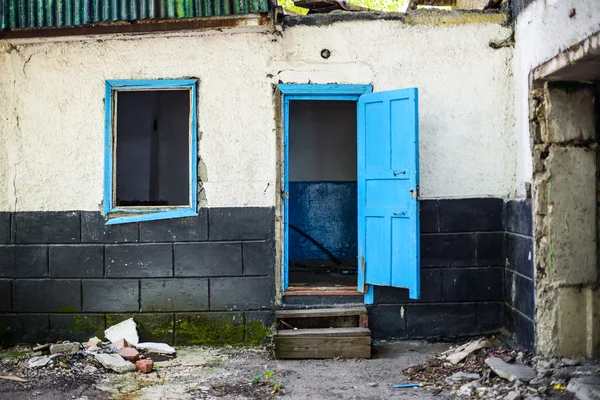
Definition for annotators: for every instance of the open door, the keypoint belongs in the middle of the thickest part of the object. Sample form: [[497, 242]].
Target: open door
[[388, 190]]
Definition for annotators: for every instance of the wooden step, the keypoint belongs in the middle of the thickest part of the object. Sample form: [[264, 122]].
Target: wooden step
[[323, 333], [343, 317], [321, 312], [323, 343]]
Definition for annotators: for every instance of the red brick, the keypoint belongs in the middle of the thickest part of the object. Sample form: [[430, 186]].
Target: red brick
[[129, 353], [145, 366]]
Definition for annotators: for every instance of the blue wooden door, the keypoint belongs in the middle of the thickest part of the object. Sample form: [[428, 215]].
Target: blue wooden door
[[388, 182]]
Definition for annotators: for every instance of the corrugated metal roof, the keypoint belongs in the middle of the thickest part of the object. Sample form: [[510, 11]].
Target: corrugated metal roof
[[16, 14]]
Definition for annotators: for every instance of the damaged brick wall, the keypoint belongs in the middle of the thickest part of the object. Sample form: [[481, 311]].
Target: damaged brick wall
[[565, 218]]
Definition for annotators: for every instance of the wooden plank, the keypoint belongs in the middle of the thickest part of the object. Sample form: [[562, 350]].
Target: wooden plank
[[321, 312], [348, 347], [324, 333], [293, 290]]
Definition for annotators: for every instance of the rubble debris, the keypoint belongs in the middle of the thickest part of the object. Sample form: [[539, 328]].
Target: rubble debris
[[42, 347], [65, 348], [459, 354], [513, 395], [145, 366], [511, 372], [13, 378], [571, 362], [129, 353], [587, 388], [160, 348], [90, 369], [41, 361], [123, 330], [464, 376], [119, 344], [93, 344], [115, 362]]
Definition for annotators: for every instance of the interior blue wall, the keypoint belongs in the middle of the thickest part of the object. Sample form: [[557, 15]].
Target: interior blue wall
[[327, 212]]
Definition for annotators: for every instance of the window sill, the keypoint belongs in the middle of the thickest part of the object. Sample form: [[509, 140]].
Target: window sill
[[149, 216]]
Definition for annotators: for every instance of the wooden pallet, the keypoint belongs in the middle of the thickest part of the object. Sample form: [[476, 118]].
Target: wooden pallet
[[323, 333]]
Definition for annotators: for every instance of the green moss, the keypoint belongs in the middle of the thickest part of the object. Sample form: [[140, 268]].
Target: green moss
[[210, 330], [14, 354], [76, 327], [436, 18], [256, 333]]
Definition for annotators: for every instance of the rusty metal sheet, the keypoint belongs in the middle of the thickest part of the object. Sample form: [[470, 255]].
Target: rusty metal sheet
[[18, 14]]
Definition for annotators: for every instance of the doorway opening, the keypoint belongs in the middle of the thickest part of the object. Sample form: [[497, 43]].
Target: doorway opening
[[322, 202]]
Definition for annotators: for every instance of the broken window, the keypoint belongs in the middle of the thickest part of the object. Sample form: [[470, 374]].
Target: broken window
[[150, 156]]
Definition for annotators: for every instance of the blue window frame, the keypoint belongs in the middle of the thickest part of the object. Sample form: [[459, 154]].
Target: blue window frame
[[115, 213]]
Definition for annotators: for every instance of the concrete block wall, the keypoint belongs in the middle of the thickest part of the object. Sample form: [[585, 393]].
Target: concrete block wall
[[462, 275], [565, 219], [67, 274]]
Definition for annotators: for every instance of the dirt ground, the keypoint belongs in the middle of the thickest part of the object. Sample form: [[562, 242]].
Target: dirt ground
[[210, 373]]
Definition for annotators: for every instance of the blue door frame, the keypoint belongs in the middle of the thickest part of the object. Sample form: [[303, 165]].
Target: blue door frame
[[293, 92]]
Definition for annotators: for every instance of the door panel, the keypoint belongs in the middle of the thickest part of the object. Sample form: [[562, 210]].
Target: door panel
[[388, 178]]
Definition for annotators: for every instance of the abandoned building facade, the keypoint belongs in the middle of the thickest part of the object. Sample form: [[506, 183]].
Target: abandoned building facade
[[210, 166]]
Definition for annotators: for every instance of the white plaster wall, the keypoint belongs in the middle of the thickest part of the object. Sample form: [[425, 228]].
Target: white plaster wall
[[465, 92], [544, 29], [52, 130]]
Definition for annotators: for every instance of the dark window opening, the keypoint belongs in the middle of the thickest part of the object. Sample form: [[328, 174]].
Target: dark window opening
[[152, 163]]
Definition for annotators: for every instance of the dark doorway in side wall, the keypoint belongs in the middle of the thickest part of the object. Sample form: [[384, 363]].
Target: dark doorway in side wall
[[322, 238]]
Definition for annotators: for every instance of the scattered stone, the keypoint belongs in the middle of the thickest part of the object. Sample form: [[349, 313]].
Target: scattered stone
[[119, 344], [123, 330], [92, 349], [65, 348], [145, 366], [466, 389], [563, 373], [540, 381], [587, 388], [90, 369], [161, 348], [93, 343], [36, 362], [129, 353], [514, 395], [114, 362], [511, 372], [571, 362], [464, 376]]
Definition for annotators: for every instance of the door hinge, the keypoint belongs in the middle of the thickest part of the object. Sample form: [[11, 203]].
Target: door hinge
[[414, 193]]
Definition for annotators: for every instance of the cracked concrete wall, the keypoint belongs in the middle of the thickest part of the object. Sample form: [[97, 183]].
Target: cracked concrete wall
[[53, 92], [565, 219], [542, 30]]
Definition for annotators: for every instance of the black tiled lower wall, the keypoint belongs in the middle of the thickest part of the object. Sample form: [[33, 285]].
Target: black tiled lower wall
[[518, 274], [210, 279], [462, 274], [67, 274]]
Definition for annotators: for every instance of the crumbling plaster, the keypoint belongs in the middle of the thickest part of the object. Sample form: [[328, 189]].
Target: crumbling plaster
[[53, 93], [542, 30]]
